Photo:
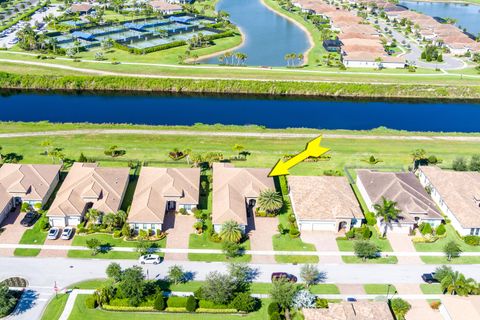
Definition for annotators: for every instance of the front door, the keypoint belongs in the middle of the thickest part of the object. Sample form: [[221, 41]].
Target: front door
[[171, 205]]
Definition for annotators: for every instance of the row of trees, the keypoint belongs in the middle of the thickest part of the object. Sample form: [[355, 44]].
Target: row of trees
[[455, 283], [461, 164], [233, 58], [294, 59]]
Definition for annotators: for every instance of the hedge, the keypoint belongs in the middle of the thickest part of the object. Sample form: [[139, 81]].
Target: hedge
[[91, 302], [177, 302], [205, 310], [177, 310], [472, 240], [125, 308], [205, 304]]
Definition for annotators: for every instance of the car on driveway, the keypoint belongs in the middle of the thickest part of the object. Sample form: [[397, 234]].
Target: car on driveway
[[150, 259], [53, 233], [29, 219], [429, 278], [67, 233], [283, 275]]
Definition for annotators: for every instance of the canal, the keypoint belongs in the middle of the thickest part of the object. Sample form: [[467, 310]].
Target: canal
[[265, 111], [268, 37]]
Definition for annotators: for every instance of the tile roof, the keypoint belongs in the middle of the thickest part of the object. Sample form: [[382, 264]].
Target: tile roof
[[5, 198], [165, 6], [360, 310], [462, 308]]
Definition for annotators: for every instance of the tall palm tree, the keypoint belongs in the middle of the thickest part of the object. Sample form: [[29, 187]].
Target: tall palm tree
[[456, 283], [270, 201], [121, 217], [92, 215], [387, 212], [231, 231]]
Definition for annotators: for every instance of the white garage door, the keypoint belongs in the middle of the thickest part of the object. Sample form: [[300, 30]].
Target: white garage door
[[57, 222], [73, 221], [306, 227], [324, 226]]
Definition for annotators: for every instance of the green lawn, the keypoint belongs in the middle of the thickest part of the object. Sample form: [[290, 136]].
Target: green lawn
[[373, 288], [87, 254], [34, 235], [107, 239], [438, 245], [386, 260], [325, 288], [443, 260], [201, 241], [88, 284], [286, 243], [55, 307], [383, 244], [433, 288]]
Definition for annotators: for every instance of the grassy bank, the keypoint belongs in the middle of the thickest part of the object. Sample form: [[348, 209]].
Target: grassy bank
[[334, 89]]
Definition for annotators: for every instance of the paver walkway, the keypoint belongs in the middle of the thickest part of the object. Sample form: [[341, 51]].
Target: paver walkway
[[178, 228], [12, 231], [260, 232], [402, 243], [323, 241]]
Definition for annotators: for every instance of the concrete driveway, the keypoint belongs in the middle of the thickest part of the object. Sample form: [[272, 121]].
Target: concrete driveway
[[323, 241], [260, 231], [178, 228], [403, 243], [56, 253], [12, 231]]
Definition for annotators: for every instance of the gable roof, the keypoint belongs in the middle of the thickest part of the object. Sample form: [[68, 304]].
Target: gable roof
[[401, 187], [5, 198], [231, 186], [460, 191], [323, 198], [28, 181], [158, 185], [88, 183]]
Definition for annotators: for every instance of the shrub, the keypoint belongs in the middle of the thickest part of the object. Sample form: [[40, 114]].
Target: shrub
[[294, 232], [191, 304], [350, 234], [370, 217], [159, 303], [177, 302], [183, 211], [117, 234], [275, 316], [367, 233], [400, 307], [244, 302], [440, 231], [204, 310], [425, 228], [205, 304], [272, 308], [472, 240], [321, 303], [291, 218], [91, 302], [435, 305]]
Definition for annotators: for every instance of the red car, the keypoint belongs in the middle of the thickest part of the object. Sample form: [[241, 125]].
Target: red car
[[280, 275]]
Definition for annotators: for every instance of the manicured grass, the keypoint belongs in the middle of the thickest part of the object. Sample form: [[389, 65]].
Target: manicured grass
[[443, 260], [88, 284], [34, 235], [383, 244], [87, 254], [325, 288], [286, 243], [201, 241], [208, 257], [386, 260], [55, 307], [373, 288], [107, 239], [19, 252], [438, 245], [433, 288]]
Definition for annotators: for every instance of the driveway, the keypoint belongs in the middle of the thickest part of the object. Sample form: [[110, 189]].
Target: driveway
[[260, 231], [56, 253], [421, 310], [323, 241], [403, 243], [178, 228], [12, 231]]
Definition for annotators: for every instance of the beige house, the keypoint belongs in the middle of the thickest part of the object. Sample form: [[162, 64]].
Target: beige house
[[457, 194], [88, 186], [166, 7], [160, 190], [359, 310], [406, 190], [324, 203], [235, 191], [30, 183], [460, 308]]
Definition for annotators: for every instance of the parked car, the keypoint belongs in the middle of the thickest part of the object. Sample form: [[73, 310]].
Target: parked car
[[280, 275], [29, 219], [351, 299], [150, 259], [429, 278], [53, 233], [67, 233]]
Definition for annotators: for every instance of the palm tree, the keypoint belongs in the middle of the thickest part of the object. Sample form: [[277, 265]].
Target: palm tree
[[121, 217], [270, 201], [231, 231], [456, 283], [92, 215], [387, 212]]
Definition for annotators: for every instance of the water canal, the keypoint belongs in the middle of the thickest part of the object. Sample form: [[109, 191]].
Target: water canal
[[269, 112], [268, 37]]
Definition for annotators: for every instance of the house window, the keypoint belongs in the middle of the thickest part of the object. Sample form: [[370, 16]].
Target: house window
[[145, 226]]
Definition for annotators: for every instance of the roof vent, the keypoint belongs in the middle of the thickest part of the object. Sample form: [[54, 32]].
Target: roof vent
[[477, 201]]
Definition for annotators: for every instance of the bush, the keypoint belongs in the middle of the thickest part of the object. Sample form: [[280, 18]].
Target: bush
[[183, 211], [366, 233], [244, 302], [205, 304], [370, 217], [472, 240], [321, 303], [177, 302], [159, 303], [204, 310], [435, 305], [294, 232], [272, 308], [425, 228], [440, 231], [275, 316], [117, 234], [350, 234], [191, 304], [91, 302]]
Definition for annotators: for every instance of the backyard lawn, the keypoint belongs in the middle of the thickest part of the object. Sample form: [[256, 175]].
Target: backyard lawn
[[438, 245]]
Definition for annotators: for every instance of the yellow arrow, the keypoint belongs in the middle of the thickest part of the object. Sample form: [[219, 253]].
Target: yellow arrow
[[313, 149]]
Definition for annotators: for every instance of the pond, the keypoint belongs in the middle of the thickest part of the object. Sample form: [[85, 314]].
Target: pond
[[268, 36], [265, 111]]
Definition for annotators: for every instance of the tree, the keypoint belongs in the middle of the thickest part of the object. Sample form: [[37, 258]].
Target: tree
[[114, 271], [270, 201], [238, 148], [143, 247], [231, 231], [400, 307], [283, 291], [442, 272], [452, 250], [474, 163], [459, 164], [418, 156], [456, 283], [159, 303], [219, 288], [93, 215], [191, 305], [304, 299], [7, 300], [46, 144], [176, 274], [231, 249], [309, 274], [242, 275], [114, 152], [365, 249], [133, 285], [387, 212], [94, 245], [244, 302]]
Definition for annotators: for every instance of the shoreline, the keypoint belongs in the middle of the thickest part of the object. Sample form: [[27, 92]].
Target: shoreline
[[448, 1], [218, 53]]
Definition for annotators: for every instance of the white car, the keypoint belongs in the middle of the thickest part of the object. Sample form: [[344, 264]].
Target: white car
[[150, 259], [67, 233], [53, 233]]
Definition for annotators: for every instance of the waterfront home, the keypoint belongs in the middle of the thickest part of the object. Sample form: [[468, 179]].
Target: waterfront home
[[29, 183], [88, 186], [406, 190], [457, 194], [358, 310], [162, 191], [235, 191], [455, 307], [324, 203], [166, 7]]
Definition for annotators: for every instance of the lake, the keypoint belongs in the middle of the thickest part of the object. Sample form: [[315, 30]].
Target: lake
[[467, 15], [268, 36], [266, 111]]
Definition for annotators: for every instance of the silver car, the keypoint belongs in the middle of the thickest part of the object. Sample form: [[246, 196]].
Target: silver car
[[53, 233], [67, 233], [150, 259]]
